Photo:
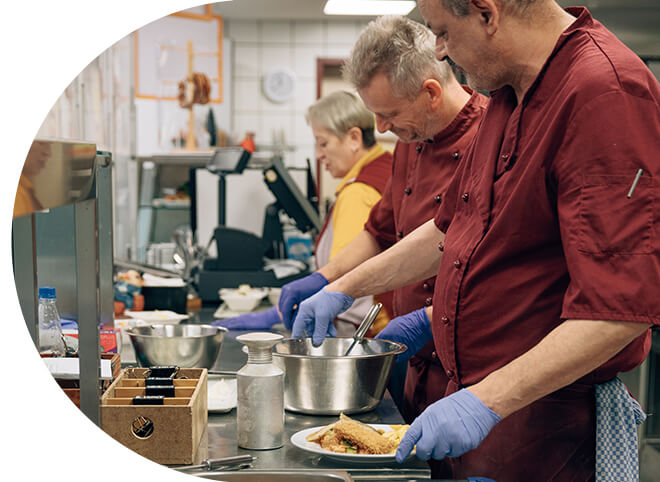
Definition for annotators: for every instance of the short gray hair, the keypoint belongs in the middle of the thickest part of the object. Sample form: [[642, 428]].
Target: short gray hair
[[339, 112], [400, 48], [460, 8]]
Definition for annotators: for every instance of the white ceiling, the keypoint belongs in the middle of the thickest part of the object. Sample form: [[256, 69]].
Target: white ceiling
[[634, 21], [278, 9], [313, 9]]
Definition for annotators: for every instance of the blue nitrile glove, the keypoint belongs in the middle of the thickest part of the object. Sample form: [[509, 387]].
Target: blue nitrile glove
[[413, 330], [449, 427], [317, 313], [295, 293], [261, 320]]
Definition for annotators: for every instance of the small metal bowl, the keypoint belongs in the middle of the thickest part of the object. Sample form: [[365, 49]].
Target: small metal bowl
[[186, 346], [322, 381]]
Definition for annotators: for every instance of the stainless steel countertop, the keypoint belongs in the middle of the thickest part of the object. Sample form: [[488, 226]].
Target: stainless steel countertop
[[222, 434]]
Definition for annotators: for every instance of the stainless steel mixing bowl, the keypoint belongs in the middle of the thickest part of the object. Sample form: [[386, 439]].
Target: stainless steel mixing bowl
[[186, 346], [322, 381]]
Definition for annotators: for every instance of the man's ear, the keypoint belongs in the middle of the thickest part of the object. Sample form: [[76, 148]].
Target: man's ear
[[489, 12], [433, 89]]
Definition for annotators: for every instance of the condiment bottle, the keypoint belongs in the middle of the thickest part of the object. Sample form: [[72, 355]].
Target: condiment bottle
[[260, 385]]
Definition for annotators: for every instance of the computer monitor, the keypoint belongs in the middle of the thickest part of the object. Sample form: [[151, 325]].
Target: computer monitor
[[288, 195], [228, 160]]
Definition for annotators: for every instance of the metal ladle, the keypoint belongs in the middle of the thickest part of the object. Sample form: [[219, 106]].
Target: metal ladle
[[362, 330]]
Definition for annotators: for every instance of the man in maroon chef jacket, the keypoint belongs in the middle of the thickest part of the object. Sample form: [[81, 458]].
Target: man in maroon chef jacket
[[435, 118], [394, 68], [545, 250]]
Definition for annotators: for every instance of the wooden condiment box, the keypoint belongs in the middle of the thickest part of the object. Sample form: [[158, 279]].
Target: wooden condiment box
[[168, 433]]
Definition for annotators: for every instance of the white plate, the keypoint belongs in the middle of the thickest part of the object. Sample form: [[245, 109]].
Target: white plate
[[299, 439], [156, 316], [222, 394]]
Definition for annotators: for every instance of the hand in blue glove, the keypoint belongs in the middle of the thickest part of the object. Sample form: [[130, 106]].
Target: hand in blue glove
[[261, 320], [296, 292], [448, 428], [317, 313], [413, 330]]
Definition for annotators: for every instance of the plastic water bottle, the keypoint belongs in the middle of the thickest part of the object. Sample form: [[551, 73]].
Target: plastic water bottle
[[51, 340]]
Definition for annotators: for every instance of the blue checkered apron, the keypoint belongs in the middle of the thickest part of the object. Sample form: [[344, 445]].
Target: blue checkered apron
[[617, 417]]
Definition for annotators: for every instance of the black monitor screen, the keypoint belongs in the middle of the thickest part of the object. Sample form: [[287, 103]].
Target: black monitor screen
[[229, 160], [287, 193]]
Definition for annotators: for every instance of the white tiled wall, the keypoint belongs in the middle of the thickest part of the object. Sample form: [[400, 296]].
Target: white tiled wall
[[261, 45]]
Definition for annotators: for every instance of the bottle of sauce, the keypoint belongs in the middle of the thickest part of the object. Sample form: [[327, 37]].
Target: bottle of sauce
[[248, 143]]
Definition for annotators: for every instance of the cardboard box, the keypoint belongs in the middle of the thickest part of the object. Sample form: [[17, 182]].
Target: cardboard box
[[166, 434], [72, 387], [107, 338]]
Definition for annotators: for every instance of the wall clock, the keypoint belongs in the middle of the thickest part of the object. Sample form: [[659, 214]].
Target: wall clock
[[279, 84]]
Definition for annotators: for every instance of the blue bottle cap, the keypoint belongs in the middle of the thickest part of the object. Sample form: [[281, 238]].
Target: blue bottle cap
[[47, 292]]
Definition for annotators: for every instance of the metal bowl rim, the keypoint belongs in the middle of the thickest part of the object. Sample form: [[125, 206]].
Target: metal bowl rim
[[401, 348], [131, 333]]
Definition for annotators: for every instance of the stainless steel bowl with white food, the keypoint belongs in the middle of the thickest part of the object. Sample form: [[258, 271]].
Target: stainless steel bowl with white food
[[322, 381], [186, 346]]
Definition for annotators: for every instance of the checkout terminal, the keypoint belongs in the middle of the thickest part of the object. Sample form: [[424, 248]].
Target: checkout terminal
[[242, 256]]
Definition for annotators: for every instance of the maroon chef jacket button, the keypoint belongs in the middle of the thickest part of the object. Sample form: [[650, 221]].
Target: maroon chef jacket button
[[465, 197], [457, 264], [399, 235], [425, 286], [428, 301], [419, 148], [441, 246], [450, 373], [438, 198], [407, 191], [455, 155], [444, 320], [434, 355]]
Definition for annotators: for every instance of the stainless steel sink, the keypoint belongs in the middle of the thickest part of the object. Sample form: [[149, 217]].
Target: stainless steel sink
[[279, 476]]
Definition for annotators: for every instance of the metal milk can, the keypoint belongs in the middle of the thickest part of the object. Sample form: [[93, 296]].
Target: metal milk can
[[260, 406]]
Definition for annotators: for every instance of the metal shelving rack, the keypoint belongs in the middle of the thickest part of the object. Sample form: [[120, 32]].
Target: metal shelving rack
[[86, 214]]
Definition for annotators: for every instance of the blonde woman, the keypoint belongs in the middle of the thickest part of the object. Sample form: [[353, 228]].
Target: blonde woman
[[344, 134]]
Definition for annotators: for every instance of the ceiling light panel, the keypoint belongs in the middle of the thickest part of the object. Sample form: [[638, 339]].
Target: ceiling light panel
[[368, 7]]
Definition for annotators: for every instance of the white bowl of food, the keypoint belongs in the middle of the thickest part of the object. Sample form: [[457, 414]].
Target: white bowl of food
[[274, 295], [245, 298]]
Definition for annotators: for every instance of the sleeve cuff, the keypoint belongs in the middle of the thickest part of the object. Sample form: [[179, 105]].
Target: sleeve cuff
[[385, 241]]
